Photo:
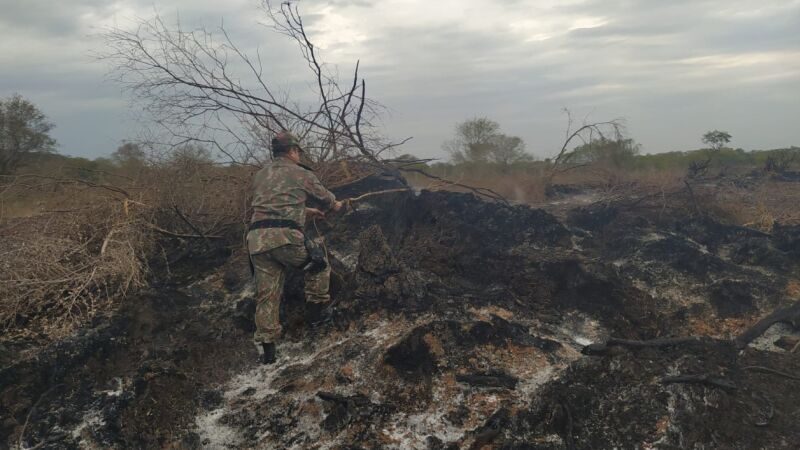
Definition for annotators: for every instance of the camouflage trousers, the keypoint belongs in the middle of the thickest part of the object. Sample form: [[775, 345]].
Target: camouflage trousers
[[270, 273]]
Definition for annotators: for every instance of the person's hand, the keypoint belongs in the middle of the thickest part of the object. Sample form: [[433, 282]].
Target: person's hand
[[313, 213]]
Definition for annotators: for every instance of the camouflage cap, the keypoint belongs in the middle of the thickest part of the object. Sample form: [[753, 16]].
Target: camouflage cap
[[284, 141]]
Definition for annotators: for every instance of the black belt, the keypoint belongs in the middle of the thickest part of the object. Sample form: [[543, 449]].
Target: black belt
[[274, 223]]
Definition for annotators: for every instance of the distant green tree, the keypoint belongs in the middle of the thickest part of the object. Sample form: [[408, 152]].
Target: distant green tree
[[473, 140], [129, 154], [479, 140], [780, 160], [190, 156], [23, 130], [508, 150], [716, 139], [613, 152]]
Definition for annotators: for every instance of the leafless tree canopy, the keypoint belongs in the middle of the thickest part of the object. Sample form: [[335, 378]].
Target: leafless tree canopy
[[201, 87], [587, 133]]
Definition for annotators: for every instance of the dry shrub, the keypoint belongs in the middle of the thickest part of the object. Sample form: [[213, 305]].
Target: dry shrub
[[199, 198], [61, 269], [82, 255], [81, 246], [759, 206]]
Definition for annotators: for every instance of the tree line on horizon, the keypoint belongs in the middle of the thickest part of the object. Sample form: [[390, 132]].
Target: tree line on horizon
[[25, 141]]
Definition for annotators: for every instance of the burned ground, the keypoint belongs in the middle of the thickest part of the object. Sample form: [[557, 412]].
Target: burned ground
[[458, 323]]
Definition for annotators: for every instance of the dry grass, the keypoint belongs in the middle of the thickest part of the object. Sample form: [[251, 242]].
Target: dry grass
[[61, 269], [759, 206], [71, 250]]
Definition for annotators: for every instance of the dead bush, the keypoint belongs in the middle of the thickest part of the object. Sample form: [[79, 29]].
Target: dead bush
[[86, 245], [60, 269]]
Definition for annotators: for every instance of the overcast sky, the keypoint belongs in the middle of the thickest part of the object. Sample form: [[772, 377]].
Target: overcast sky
[[672, 69]]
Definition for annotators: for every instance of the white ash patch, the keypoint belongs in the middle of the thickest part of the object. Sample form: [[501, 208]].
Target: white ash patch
[[578, 199], [215, 435], [681, 293], [652, 237], [528, 386], [411, 431], [256, 384], [551, 439], [575, 241], [207, 280], [702, 248], [91, 420], [379, 333], [766, 341], [117, 391], [582, 330], [386, 334], [248, 291], [258, 381], [349, 259]]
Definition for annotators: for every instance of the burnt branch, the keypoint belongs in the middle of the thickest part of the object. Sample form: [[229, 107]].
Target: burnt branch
[[483, 192], [789, 314], [18, 181], [703, 378], [602, 347], [587, 134]]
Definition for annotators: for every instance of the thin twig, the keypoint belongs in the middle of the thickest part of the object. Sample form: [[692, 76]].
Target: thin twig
[[480, 191], [188, 222], [30, 412], [181, 235], [691, 195], [375, 193], [763, 369]]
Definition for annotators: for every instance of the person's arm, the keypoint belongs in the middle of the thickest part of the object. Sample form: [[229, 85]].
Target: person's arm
[[315, 189]]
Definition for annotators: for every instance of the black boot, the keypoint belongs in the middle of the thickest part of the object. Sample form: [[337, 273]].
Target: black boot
[[268, 356], [316, 314]]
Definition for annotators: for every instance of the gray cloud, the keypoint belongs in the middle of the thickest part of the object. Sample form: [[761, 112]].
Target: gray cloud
[[49, 18], [673, 69]]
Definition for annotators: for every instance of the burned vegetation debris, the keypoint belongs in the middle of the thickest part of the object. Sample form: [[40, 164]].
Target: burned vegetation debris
[[457, 323]]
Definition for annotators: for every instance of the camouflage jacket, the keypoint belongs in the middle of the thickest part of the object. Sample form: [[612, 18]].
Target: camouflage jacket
[[280, 191]]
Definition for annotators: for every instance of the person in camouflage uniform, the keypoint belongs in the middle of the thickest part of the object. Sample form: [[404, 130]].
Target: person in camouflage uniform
[[276, 242]]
